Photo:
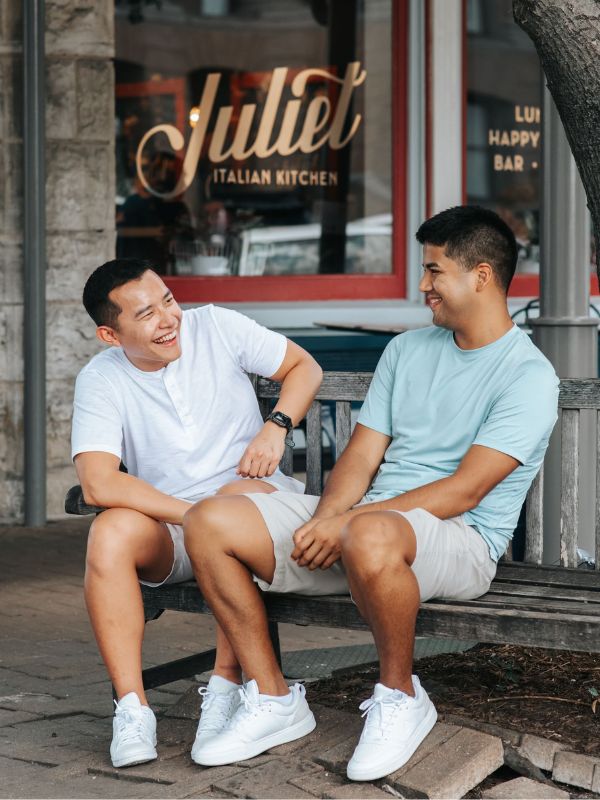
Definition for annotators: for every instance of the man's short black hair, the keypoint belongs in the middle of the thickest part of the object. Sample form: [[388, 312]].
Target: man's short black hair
[[472, 235], [103, 280]]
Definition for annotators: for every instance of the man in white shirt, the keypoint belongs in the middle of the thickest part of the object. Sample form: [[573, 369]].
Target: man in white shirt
[[171, 398]]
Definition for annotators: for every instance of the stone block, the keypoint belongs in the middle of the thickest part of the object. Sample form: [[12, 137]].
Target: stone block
[[254, 782], [13, 189], [71, 341], [80, 27], [356, 791], [11, 266], [453, 768], [539, 751], [574, 769], [71, 260], [95, 100], [58, 481], [318, 782], [11, 12], [79, 187], [59, 403], [507, 735], [11, 430], [524, 789], [12, 74], [11, 342], [61, 101]]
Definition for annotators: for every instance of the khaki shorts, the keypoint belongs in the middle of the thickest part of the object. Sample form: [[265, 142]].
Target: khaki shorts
[[453, 561], [181, 569]]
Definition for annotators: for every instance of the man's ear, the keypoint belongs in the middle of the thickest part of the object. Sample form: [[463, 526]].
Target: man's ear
[[107, 335], [485, 275]]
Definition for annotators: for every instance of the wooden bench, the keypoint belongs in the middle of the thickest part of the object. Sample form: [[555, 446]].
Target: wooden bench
[[528, 603]]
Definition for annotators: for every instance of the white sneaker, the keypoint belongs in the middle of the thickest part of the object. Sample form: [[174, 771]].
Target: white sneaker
[[258, 724], [134, 733], [220, 700], [396, 725]]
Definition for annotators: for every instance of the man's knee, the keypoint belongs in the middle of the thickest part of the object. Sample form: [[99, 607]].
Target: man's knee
[[205, 524], [376, 540], [113, 538]]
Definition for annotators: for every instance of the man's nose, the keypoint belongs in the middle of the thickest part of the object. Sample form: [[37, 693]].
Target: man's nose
[[425, 283]]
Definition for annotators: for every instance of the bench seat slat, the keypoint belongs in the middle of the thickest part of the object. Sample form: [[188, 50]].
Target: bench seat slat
[[527, 604], [541, 591], [350, 386], [548, 575]]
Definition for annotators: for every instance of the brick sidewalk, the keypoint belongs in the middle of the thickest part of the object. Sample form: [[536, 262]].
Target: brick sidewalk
[[56, 708]]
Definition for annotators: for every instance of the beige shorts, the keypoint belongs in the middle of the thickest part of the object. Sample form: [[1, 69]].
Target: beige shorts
[[453, 561], [181, 570]]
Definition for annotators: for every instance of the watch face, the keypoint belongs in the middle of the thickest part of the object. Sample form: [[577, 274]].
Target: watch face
[[281, 419]]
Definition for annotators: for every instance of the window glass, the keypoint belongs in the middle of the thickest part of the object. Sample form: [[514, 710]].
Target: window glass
[[254, 137], [504, 97]]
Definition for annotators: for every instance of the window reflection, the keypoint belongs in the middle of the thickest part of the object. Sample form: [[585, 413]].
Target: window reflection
[[309, 192]]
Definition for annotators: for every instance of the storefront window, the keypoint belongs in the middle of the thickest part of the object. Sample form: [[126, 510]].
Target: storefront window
[[254, 138], [504, 97]]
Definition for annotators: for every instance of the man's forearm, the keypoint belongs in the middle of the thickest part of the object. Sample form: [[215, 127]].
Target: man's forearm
[[445, 498], [346, 485], [298, 389], [120, 490]]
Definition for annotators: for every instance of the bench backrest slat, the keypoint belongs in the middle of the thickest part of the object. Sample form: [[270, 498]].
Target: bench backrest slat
[[534, 538], [314, 450], [569, 489], [342, 427]]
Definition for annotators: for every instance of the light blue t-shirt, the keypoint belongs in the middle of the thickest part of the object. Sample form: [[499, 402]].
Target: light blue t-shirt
[[436, 400]]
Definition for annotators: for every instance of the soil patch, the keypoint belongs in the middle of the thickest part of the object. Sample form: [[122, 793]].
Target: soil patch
[[550, 693]]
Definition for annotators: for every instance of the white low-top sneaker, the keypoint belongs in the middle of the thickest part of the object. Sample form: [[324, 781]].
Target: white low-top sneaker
[[258, 724], [220, 700], [395, 726], [134, 733]]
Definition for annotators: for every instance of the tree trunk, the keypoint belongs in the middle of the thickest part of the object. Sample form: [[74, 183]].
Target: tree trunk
[[566, 35]]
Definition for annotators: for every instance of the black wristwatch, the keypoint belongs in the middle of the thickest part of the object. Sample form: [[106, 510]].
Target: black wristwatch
[[281, 419]]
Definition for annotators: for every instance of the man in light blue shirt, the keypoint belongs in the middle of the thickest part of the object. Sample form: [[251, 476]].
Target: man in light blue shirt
[[422, 503]]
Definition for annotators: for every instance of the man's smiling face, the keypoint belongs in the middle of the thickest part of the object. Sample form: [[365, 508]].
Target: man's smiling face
[[449, 289], [148, 326]]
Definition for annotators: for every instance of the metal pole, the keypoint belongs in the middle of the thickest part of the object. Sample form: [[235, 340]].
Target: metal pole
[[34, 237], [565, 332]]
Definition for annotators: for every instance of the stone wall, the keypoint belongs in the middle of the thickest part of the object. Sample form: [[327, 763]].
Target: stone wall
[[80, 223]]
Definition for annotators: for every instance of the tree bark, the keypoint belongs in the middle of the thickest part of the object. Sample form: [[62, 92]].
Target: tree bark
[[566, 35]]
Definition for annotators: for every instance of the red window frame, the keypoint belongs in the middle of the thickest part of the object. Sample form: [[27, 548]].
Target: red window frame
[[332, 287]]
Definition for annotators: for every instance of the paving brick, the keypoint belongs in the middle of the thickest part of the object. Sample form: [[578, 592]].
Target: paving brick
[[524, 789], [454, 767], [539, 751], [506, 734], [333, 727], [574, 769], [440, 734], [254, 782], [318, 782], [14, 717], [358, 791]]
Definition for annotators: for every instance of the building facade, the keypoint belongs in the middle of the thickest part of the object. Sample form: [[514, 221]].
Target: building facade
[[275, 157]]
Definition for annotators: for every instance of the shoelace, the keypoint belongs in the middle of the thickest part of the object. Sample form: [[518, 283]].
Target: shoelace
[[215, 709], [250, 707], [383, 707], [130, 725]]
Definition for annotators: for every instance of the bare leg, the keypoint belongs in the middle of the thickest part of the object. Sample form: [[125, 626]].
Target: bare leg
[[378, 549], [123, 545], [227, 541], [226, 663]]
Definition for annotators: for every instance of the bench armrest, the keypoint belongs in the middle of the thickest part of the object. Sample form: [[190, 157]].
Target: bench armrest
[[75, 504]]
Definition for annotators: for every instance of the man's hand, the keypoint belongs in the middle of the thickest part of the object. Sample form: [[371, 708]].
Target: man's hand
[[264, 452], [317, 542]]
